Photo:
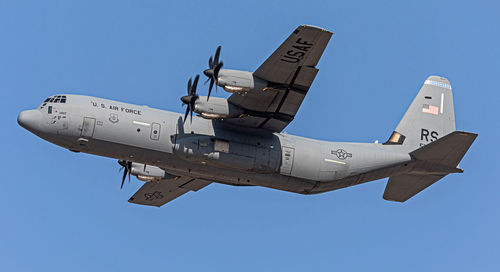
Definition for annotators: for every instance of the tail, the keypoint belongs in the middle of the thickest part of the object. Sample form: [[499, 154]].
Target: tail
[[427, 132], [429, 117]]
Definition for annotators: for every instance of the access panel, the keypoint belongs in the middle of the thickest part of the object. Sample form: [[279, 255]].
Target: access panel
[[88, 127], [155, 131], [287, 155]]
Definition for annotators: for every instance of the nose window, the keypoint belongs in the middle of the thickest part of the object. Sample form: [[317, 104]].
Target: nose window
[[49, 110]]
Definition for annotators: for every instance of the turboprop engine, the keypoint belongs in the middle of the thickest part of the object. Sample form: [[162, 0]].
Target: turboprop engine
[[143, 172], [233, 81], [147, 172], [216, 108], [236, 81]]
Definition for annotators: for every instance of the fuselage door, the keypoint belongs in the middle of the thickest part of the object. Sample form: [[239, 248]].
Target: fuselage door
[[155, 131], [88, 127], [287, 155]]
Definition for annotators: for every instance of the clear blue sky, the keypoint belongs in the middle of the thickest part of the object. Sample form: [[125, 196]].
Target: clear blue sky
[[62, 211]]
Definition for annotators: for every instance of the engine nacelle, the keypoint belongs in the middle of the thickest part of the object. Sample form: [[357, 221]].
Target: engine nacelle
[[216, 107], [149, 173], [235, 81]]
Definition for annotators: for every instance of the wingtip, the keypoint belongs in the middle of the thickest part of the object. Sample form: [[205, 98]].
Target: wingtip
[[315, 27]]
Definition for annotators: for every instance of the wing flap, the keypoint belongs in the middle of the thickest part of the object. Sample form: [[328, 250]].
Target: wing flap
[[166, 190], [305, 78]]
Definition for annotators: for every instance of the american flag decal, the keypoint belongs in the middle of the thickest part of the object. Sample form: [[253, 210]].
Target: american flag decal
[[430, 109]]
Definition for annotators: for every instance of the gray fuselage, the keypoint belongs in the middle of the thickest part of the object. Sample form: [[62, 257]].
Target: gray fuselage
[[210, 149]]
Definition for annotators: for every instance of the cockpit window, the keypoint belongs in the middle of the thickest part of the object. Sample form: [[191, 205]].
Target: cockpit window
[[55, 99]]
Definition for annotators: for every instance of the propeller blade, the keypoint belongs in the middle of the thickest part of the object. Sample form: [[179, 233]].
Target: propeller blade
[[129, 165], [189, 87], [191, 116], [216, 74], [217, 53], [123, 178], [217, 69], [195, 84], [187, 112], [212, 73], [210, 88]]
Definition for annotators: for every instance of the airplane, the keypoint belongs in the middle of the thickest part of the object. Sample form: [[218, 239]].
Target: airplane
[[239, 141]]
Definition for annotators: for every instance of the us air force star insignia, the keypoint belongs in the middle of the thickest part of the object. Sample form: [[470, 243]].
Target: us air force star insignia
[[342, 154], [113, 118]]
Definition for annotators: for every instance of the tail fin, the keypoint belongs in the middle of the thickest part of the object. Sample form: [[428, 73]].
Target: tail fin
[[429, 117], [434, 161]]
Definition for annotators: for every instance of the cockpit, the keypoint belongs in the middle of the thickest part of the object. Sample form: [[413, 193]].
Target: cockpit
[[54, 99]]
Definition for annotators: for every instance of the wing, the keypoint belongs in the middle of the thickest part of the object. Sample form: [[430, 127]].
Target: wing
[[289, 71], [163, 191]]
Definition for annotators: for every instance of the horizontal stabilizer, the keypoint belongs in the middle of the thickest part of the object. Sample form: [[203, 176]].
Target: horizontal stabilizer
[[402, 187], [448, 150], [444, 153]]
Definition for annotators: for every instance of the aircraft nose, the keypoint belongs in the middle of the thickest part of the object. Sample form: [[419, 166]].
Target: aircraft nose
[[30, 120]]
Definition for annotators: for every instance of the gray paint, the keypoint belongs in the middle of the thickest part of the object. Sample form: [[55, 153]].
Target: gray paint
[[210, 151]]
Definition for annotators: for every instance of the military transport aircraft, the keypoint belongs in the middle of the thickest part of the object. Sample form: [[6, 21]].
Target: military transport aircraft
[[238, 141]]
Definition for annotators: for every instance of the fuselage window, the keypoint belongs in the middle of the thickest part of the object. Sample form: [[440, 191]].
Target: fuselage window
[[49, 111]]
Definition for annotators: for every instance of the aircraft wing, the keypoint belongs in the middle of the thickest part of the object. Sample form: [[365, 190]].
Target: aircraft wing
[[158, 193], [290, 71]]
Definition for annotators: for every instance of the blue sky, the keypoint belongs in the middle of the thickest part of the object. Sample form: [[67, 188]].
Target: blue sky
[[63, 211]]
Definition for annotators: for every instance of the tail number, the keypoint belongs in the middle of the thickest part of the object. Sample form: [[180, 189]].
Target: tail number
[[428, 136]]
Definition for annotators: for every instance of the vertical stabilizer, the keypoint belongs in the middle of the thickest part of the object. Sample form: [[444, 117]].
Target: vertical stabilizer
[[429, 117]]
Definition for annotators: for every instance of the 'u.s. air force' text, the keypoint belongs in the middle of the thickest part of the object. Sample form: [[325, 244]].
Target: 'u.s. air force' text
[[116, 108]]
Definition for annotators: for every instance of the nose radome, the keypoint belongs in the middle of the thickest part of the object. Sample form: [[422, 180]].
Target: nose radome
[[30, 120]]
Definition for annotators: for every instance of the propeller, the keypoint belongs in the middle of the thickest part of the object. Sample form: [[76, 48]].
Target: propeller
[[213, 70], [126, 166], [190, 99]]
